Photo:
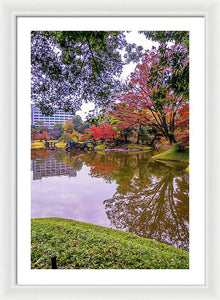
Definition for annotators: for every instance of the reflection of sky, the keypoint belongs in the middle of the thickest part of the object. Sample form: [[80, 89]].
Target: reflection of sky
[[79, 198]]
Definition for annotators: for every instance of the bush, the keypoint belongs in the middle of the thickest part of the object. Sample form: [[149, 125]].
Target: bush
[[65, 137], [179, 146], [100, 147]]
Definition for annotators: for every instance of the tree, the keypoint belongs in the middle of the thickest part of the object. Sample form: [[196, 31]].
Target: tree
[[75, 135], [68, 67], [85, 125], [45, 136], [104, 132], [57, 130], [68, 126], [65, 137], [177, 37], [59, 126], [179, 80], [127, 119], [36, 136], [40, 127], [34, 131], [41, 136], [143, 135], [182, 125], [151, 93], [77, 121]]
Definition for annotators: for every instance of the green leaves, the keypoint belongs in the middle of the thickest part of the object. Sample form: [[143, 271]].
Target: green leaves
[[168, 36], [74, 66]]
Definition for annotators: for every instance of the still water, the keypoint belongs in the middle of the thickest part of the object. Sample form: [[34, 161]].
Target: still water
[[127, 191]]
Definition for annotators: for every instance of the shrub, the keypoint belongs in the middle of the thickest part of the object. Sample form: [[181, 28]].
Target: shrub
[[65, 137], [100, 147], [179, 146]]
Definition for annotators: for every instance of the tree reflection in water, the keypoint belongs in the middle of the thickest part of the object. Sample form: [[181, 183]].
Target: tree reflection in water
[[152, 199]]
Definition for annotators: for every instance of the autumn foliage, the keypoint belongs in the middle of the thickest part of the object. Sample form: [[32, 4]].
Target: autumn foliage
[[154, 107], [152, 99], [104, 131], [40, 136], [182, 126]]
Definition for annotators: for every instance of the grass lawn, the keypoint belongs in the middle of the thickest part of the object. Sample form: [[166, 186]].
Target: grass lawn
[[80, 245], [38, 144], [61, 144], [130, 146], [174, 155], [137, 146]]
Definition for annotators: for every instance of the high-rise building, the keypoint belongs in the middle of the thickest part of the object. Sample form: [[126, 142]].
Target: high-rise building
[[59, 117], [51, 167]]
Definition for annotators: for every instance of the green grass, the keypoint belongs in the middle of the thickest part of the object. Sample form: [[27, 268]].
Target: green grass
[[137, 146], [130, 146], [100, 147], [37, 145], [175, 164], [60, 144], [174, 155], [85, 246]]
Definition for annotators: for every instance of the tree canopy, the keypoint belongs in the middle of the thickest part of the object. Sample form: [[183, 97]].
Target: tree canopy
[[153, 100], [179, 78], [72, 67], [69, 67], [168, 36]]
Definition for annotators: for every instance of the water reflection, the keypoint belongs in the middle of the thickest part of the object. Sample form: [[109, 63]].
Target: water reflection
[[51, 167], [144, 197], [156, 207]]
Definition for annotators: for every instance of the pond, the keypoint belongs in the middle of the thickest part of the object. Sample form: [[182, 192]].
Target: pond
[[123, 190]]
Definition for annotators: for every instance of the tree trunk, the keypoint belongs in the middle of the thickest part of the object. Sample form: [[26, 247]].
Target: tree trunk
[[138, 137], [171, 138]]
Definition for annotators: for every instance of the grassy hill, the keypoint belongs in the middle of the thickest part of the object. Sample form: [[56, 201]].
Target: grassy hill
[[174, 155], [81, 245]]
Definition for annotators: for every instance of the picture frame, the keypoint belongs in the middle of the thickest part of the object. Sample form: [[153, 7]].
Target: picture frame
[[9, 289]]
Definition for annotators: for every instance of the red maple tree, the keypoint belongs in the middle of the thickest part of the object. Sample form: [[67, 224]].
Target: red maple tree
[[104, 131], [151, 99], [41, 136], [182, 125]]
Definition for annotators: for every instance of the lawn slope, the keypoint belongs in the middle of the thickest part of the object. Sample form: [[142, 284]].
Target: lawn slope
[[174, 155], [82, 245]]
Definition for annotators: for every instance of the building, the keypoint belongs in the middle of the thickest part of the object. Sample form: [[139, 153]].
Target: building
[[51, 167], [59, 117]]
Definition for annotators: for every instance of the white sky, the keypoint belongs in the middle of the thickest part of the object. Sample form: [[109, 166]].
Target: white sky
[[132, 37]]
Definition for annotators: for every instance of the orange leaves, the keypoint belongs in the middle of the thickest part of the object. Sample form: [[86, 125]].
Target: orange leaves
[[42, 153], [68, 126], [129, 115], [103, 131], [75, 134], [102, 168], [182, 125], [45, 136], [40, 136], [153, 99]]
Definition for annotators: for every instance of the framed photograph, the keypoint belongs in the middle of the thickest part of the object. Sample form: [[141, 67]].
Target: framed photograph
[[68, 179], [110, 130]]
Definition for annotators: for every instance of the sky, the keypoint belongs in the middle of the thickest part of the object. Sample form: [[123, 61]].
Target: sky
[[132, 37]]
